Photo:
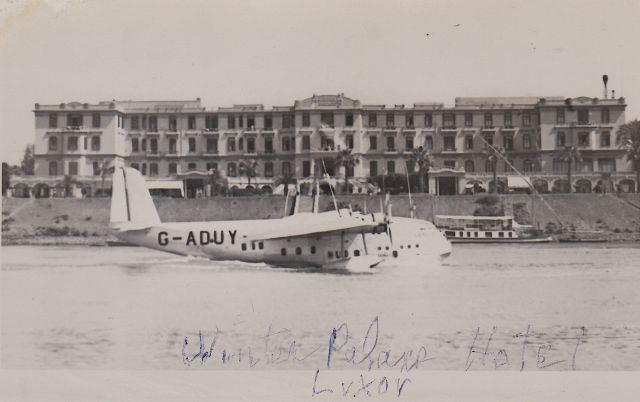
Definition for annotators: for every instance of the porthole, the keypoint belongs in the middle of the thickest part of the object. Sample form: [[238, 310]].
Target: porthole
[[298, 250], [283, 251], [386, 248], [379, 248], [253, 245], [395, 253], [261, 245], [356, 253], [401, 246], [346, 253], [409, 246], [417, 245], [313, 249]]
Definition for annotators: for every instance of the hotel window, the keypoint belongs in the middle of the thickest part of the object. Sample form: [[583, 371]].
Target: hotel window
[[349, 120], [469, 166], [134, 145], [287, 121], [468, 119], [153, 123], [72, 144], [488, 139], [428, 120], [231, 169], [143, 122], [607, 165], [192, 145], [583, 139], [231, 122], [449, 143], [241, 122], [373, 143], [53, 143], [268, 122], [449, 120], [191, 122], [191, 166], [507, 142], [585, 166], [153, 169], [526, 119], [212, 145], [173, 146], [135, 166], [468, 142], [450, 164], [508, 121], [53, 120], [583, 116], [408, 120], [306, 143], [528, 166], [605, 116], [348, 141], [526, 141], [53, 168], [373, 120], [408, 142], [212, 166], [251, 145], [268, 145], [326, 118], [75, 120], [605, 139], [86, 143], [211, 122], [561, 139], [560, 116], [135, 123], [240, 143], [391, 167], [95, 120], [286, 168], [306, 168], [173, 123], [173, 168], [428, 142], [73, 168], [390, 123], [306, 119], [559, 165], [391, 143], [153, 146], [373, 168], [268, 169], [488, 120], [231, 144], [508, 165], [95, 143], [96, 168], [488, 165], [286, 143]]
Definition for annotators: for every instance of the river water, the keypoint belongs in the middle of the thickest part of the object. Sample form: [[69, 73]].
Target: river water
[[487, 307]]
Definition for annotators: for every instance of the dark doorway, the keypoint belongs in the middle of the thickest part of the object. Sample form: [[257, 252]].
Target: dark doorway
[[329, 164], [447, 185], [195, 188]]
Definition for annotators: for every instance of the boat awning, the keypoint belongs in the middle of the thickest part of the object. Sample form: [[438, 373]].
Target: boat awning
[[518, 182]]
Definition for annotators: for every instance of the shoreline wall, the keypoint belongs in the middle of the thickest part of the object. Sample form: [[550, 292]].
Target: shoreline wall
[[26, 220]]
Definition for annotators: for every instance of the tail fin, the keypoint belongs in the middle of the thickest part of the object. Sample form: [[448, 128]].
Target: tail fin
[[131, 203]]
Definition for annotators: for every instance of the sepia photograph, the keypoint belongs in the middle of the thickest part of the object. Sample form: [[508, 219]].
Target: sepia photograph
[[302, 200]]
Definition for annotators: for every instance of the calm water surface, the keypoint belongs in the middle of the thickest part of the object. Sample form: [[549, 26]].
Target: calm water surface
[[486, 307]]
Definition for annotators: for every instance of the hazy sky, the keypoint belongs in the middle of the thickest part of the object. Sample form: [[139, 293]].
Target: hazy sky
[[274, 52]]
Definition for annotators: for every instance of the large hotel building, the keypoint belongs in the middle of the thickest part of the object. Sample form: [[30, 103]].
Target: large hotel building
[[180, 143]]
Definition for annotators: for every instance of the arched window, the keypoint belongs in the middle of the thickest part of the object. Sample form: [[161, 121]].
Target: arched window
[[286, 168]]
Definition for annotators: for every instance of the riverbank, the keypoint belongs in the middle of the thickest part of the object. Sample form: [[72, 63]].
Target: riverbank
[[85, 221]]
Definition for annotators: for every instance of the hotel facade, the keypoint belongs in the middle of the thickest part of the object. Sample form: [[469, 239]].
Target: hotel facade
[[180, 144]]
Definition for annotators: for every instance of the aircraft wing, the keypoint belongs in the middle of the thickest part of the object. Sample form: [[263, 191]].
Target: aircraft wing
[[303, 225]]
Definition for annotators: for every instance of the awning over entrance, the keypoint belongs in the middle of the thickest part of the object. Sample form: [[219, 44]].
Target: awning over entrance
[[517, 182]]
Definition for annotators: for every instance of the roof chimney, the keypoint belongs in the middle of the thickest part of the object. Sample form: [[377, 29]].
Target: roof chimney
[[605, 79]]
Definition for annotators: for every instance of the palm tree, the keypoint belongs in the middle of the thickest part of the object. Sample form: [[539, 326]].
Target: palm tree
[[495, 152], [422, 158], [629, 140], [249, 168], [571, 155], [349, 161], [285, 180], [215, 181]]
